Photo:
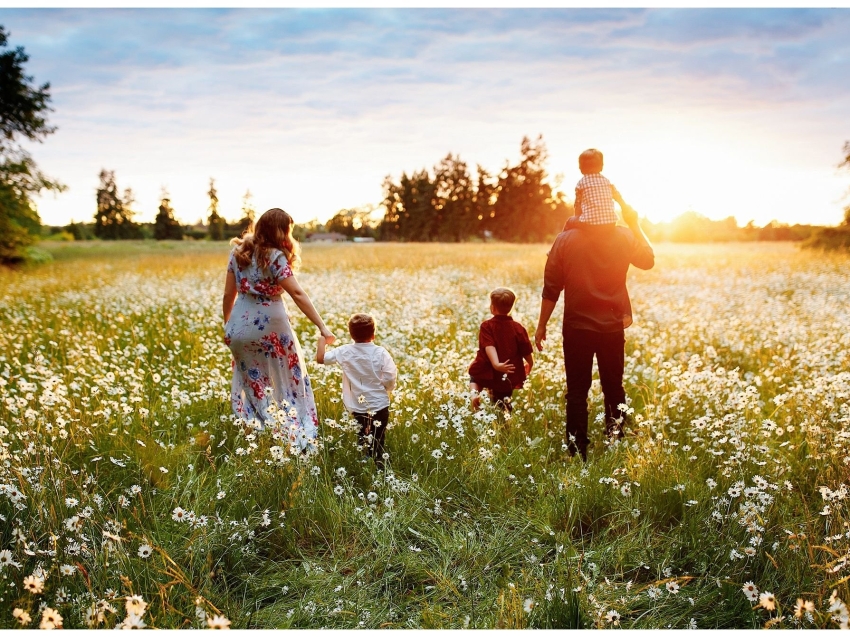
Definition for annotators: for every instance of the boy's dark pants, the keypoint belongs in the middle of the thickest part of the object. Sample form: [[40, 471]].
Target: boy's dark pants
[[503, 399], [579, 348], [374, 424]]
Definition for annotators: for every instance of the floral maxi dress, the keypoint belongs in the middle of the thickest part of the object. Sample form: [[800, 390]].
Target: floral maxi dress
[[270, 385]]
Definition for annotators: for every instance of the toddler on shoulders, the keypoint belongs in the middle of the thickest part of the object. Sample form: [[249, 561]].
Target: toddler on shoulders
[[595, 195]]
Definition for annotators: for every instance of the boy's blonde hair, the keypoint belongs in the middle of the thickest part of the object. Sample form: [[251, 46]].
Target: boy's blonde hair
[[503, 300], [361, 327], [590, 162]]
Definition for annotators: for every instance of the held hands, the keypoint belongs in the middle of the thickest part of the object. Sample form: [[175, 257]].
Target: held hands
[[328, 336]]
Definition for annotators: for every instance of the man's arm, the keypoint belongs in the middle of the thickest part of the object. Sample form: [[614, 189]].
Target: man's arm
[[553, 284], [644, 256], [547, 306]]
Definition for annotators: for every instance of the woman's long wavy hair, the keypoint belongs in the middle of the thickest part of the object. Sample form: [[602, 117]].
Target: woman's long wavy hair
[[272, 231]]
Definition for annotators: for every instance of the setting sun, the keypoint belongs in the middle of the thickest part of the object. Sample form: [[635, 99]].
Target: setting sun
[[670, 165]]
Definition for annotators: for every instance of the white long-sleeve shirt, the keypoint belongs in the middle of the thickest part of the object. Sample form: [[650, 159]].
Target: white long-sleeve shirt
[[368, 375]]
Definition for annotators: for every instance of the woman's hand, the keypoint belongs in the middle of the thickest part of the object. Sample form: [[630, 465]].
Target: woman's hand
[[328, 336]]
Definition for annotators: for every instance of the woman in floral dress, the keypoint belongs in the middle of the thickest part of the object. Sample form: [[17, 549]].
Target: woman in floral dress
[[270, 383]]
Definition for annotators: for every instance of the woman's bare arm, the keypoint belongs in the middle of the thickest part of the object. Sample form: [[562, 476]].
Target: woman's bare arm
[[292, 287], [229, 296]]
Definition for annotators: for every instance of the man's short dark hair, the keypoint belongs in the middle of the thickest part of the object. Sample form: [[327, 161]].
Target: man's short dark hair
[[361, 327]]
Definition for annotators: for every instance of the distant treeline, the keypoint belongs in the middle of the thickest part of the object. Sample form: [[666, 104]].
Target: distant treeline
[[689, 227], [692, 227], [519, 204], [446, 203]]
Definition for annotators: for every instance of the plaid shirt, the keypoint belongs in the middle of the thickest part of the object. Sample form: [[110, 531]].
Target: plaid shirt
[[593, 193]]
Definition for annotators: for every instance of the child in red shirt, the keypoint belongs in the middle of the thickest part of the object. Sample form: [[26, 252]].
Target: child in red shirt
[[500, 341]]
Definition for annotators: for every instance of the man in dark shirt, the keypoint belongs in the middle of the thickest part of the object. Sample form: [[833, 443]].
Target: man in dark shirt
[[589, 263]]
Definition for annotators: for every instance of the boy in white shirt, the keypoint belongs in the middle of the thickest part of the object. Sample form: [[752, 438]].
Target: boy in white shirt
[[368, 378]]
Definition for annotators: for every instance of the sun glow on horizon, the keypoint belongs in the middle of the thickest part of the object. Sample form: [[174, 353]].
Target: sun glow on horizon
[[664, 165], [666, 169]]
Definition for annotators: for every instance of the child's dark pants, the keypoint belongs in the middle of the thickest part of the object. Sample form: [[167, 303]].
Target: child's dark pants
[[374, 425]]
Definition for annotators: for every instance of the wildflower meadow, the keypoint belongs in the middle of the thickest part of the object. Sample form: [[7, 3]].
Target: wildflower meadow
[[130, 498]]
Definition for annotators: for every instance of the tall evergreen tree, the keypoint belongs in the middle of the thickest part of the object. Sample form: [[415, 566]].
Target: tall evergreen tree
[[248, 214], [526, 208], [485, 197], [418, 195], [80, 231], [23, 112], [216, 223], [520, 206], [454, 202], [353, 222], [166, 226], [391, 226], [843, 164], [114, 216]]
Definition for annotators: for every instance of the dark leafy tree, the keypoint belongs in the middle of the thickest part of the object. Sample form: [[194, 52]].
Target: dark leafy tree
[[20, 179], [485, 197], [526, 208], [302, 231], [23, 114], [248, 215], [392, 224], [353, 222], [215, 221], [165, 225], [521, 205], [23, 107], [455, 215], [410, 206], [114, 216], [846, 164], [80, 231]]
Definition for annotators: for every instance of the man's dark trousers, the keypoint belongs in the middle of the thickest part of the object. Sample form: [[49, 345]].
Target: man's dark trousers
[[579, 348]]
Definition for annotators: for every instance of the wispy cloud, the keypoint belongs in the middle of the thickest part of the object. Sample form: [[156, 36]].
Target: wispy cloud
[[285, 101]]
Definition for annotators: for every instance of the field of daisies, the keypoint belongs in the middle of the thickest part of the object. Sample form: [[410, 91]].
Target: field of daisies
[[130, 498]]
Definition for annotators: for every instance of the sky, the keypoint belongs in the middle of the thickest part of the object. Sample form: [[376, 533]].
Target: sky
[[727, 112]]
